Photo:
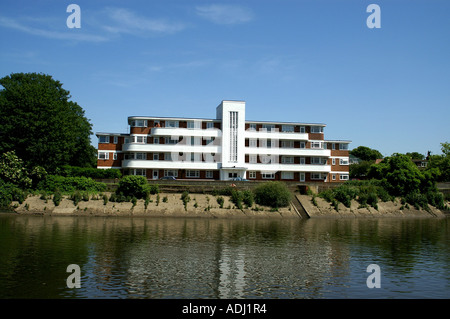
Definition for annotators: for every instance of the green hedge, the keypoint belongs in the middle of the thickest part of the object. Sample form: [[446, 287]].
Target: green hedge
[[53, 183], [95, 173]]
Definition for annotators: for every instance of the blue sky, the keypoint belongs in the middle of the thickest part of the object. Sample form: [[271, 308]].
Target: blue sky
[[303, 60]]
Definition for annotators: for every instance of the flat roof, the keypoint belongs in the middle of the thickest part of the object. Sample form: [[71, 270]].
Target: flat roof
[[219, 120]]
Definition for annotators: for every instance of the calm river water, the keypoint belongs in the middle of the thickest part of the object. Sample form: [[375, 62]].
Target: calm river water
[[223, 258]]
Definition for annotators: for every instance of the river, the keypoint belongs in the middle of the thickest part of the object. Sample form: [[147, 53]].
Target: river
[[122, 257]]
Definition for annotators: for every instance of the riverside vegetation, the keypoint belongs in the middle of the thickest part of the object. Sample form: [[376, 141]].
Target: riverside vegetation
[[412, 186]]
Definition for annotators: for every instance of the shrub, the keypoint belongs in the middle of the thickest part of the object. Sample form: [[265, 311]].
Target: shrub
[[76, 197], [236, 198], [185, 198], [165, 199], [248, 198], [57, 197], [220, 201], [137, 186], [273, 194], [105, 199]]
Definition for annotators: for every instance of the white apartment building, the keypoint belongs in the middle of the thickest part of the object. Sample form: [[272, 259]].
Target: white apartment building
[[225, 148]]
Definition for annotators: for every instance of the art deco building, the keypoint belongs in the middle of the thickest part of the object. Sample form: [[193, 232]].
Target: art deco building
[[224, 148]]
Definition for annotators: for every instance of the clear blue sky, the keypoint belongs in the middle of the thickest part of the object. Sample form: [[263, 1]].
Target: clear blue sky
[[299, 60]]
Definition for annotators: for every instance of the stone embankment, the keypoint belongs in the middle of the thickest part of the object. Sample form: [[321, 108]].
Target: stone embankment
[[323, 209], [169, 205], [202, 205]]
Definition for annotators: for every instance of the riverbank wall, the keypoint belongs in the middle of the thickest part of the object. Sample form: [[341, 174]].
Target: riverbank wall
[[320, 208], [206, 206], [168, 204]]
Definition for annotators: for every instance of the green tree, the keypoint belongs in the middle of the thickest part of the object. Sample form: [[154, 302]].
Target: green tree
[[415, 155], [12, 170], [445, 147], [360, 170], [41, 124], [400, 176], [365, 153], [441, 163]]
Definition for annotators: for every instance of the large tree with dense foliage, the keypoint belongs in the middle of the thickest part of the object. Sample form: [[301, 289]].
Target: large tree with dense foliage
[[40, 123], [400, 176], [365, 153]]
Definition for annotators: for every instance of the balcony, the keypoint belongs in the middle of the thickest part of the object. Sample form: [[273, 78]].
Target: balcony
[[276, 167], [176, 131], [288, 151], [164, 148], [276, 135], [169, 164]]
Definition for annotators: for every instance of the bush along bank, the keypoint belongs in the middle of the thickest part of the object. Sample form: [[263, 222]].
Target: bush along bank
[[369, 194], [134, 195]]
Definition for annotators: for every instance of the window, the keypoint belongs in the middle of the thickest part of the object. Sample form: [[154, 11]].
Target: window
[[252, 174], [167, 156], [268, 175], [287, 175], [195, 140], [287, 144], [156, 140], [103, 139], [233, 137], [252, 127], [333, 161], [316, 129], [343, 147], [268, 127], [302, 144], [140, 139], [140, 156], [209, 174], [287, 160], [343, 161], [169, 140], [128, 156], [116, 139], [103, 155], [316, 176], [156, 157], [302, 129], [139, 171], [333, 146], [114, 156], [316, 145], [253, 159], [192, 174], [194, 124], [302, 161], [333, 177], [302, 177], [318, 160], [171, 172], [267, 143], [139, 123], [232, 175], [287, 128], [252, 142], [209, 124], [172, 124], [343, 177]]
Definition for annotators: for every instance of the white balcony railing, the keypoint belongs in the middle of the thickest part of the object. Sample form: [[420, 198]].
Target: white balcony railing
[[164, 148], [288, 151]]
